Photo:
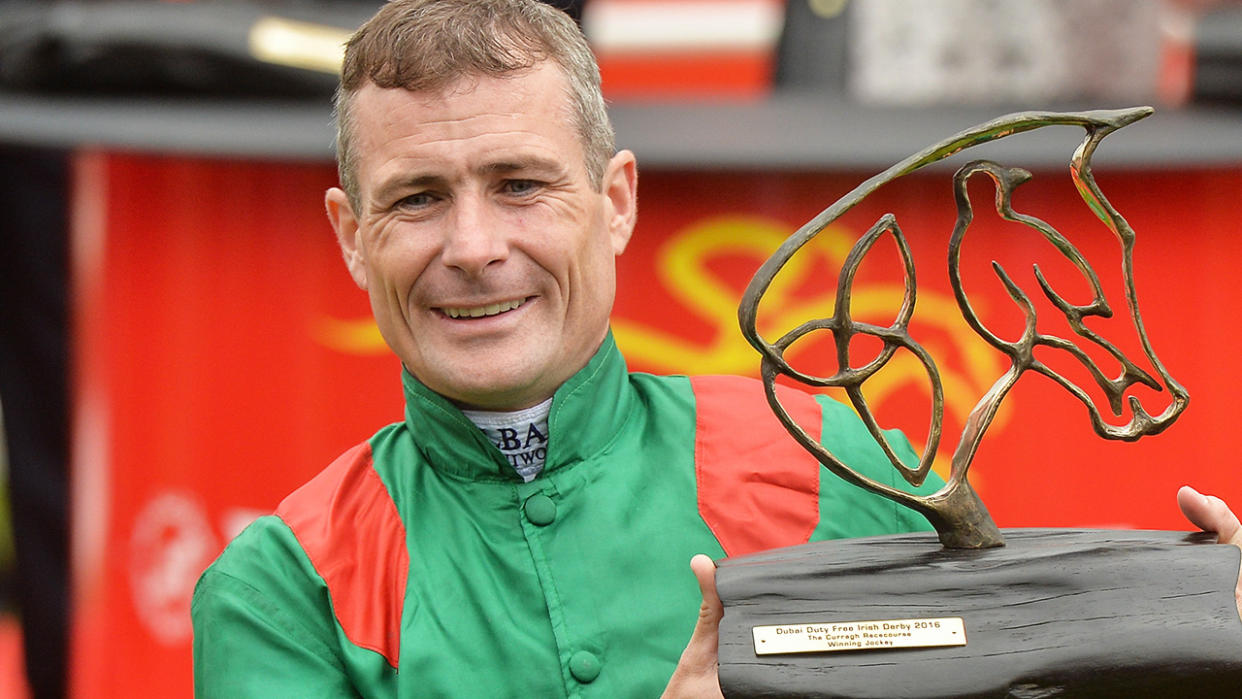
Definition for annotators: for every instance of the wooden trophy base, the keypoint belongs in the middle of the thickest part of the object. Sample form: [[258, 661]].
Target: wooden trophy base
[[1053, 613]]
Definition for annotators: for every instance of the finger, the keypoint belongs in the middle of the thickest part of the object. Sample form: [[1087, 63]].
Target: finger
[[700, 653], [696, 674], [1210, 514], [705, 572]]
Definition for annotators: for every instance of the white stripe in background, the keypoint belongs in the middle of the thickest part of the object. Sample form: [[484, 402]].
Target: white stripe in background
[[625, 26]]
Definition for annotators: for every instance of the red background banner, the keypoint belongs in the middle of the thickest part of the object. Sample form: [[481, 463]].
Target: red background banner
[[224, 355]]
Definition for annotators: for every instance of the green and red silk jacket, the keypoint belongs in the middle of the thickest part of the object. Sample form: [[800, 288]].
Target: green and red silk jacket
[[419, 563]]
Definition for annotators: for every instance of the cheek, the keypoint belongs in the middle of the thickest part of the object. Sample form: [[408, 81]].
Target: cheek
[[396, 261], [596, 276], [570, 243]]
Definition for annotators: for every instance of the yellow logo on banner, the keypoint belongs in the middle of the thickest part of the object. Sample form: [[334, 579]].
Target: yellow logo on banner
[[359, 336], [683, 269]]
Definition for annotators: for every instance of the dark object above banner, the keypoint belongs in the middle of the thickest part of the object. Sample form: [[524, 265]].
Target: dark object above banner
[[1217, 76], [149, 48]]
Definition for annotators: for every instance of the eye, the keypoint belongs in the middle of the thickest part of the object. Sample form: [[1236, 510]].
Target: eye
[[520, 187], [419, 200]]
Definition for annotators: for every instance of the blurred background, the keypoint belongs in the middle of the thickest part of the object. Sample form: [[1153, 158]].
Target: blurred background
[[180, 346]]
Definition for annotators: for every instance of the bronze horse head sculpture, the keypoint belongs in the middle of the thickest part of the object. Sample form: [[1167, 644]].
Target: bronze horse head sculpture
[[956, 512]]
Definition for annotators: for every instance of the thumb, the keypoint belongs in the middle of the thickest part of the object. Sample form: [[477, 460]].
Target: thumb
[[703, 642], [705, 572], [1210, 514], [696, 674]]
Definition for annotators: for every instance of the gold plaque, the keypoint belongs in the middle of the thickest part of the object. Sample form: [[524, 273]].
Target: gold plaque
[[859, 635]]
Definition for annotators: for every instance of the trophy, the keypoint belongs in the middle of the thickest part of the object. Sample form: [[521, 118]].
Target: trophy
[[973, 611]]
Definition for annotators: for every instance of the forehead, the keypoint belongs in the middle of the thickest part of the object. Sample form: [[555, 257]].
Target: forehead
[[471, 115]]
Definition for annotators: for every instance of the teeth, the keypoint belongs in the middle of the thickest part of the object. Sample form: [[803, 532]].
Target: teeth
[[483, 311]]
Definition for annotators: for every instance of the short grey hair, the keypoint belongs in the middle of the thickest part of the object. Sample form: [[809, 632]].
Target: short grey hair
[[430, 44]]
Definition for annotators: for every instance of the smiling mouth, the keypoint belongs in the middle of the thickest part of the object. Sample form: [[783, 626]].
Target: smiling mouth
[[492, 309]]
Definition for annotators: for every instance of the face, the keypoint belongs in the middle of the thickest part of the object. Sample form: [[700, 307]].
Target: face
[[488, 254]]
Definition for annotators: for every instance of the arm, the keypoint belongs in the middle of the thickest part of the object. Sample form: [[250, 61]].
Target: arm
[[264, 626], [248, 645]]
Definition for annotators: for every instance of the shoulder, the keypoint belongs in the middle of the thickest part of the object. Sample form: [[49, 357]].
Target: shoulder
[[289, 547], [715, 399], [348, 525], [347, 503], [269, 555], [262, 578], [743, 400], [264, 556], [350, 494], [350, 478], [263, 623], [715, 402], [348, 483], [339, 538]]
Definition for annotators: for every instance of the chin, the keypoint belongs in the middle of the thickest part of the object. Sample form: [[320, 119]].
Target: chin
[[488, 394], [498, 375]]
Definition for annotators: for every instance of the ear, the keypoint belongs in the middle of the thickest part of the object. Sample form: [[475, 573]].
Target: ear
[[620, 189], [341, 216]]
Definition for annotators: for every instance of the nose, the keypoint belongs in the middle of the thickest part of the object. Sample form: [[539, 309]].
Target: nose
[[474, 237]]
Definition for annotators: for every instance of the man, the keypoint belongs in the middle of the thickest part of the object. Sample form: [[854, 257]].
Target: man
[[524, 531]]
